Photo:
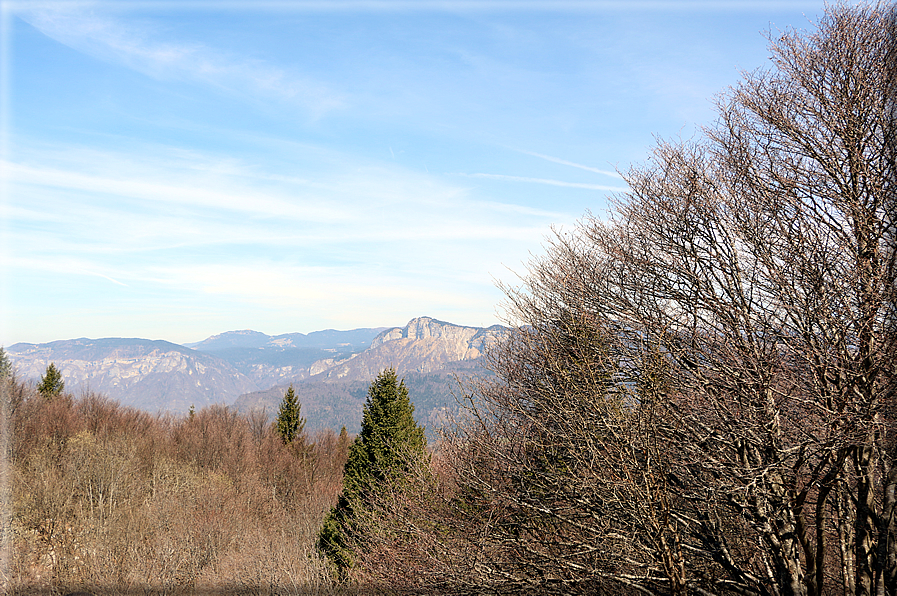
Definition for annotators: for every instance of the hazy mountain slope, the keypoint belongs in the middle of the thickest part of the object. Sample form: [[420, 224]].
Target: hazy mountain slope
[[148, 374], [432, 356], [324, 404], [337, 403], [331, 369], [282, 359], [326, 339], [424, 345]]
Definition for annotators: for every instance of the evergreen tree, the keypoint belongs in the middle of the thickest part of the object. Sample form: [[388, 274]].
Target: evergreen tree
[[343, 444], [290, 423], [51, 384], [6, 370], [389, 440]]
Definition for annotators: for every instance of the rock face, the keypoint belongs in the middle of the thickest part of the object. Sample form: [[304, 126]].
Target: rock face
[[462, 338], [150, 375], [424, 345], [431, 356], [331, 369]]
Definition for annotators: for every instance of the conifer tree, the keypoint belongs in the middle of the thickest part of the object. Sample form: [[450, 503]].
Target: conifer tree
[[290, 423], [51, 384], [343, 444], [6, 369], [389, 440]]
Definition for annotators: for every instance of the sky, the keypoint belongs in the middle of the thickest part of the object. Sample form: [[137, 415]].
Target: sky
[[176, 169]]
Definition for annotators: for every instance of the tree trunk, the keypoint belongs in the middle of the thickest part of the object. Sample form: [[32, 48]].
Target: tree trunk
[[864, 525]]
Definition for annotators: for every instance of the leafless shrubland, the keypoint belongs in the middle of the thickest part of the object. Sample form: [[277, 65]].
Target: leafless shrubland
[[114, 500]]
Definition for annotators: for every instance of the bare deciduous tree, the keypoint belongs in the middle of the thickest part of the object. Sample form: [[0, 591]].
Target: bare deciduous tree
[[700, 394]]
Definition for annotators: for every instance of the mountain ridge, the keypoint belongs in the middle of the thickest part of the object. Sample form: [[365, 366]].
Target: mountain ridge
[[129, 368], [248, 338], [334, 367]]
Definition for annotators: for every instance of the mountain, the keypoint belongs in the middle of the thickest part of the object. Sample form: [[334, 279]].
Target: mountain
[[424, 345], [432, 356], [282, 359], [147, 374], [327, 339], [330, 369], [337, 403]]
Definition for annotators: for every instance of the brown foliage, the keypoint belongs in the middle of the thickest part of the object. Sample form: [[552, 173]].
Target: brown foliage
[[115, 500]]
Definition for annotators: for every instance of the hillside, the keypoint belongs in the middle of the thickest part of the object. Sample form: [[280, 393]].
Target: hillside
[[432, 356], [251, 370], [424, 345], [282, 359], [152, 375], [334, 403]]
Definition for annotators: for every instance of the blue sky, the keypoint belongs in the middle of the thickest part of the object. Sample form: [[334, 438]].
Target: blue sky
[[177, 169]]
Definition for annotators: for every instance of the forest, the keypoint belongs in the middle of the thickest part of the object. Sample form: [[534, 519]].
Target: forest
[[117, 501], [698, 397]]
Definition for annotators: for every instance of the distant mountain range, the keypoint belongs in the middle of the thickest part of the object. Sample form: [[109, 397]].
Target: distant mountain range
[[247, 369], [270, 360], [324, 340]]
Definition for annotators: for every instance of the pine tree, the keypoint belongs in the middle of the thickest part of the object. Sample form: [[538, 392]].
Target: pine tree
[[389, 440], [343, 444], [6, 369], [290, 423], [51, 384]]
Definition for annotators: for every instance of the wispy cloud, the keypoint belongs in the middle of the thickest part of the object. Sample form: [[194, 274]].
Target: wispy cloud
[[524, 210], [137, 45], [106, 277], [69, 265], [184, 194], [548, 181], [572, 164], [111, 211]]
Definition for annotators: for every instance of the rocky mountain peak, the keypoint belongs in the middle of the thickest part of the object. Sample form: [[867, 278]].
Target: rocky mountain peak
[[426, 327], [156, 375], [423, 345]]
